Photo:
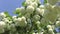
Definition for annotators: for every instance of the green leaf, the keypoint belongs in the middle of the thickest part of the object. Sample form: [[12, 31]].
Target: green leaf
[[45, 1], [24, 3], [16, 11], [7, 15]]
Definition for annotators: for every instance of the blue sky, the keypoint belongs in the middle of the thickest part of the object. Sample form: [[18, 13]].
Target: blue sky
[[10, 5]]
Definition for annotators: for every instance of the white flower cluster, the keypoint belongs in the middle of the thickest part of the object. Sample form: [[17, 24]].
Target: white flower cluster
[[32, 19], [20, 21], [50, 29], [2, 23]]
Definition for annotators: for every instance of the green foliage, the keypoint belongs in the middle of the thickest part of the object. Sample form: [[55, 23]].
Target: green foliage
[[16, 11], [24, 3], [45, 1], [8, 15]]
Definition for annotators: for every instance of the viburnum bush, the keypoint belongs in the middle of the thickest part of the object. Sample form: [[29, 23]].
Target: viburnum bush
[[32, 18]]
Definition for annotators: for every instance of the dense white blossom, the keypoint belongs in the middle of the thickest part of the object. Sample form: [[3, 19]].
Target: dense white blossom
[[2, 15], [57, 23], [27, 15], [51, 31], [22, 10], [40, 11], [2, 26], [41, 6], [36, 18], [38, 22], [49, 26], [5, 20], [30, 9], [32, 18], [21, 21], [34, 4]]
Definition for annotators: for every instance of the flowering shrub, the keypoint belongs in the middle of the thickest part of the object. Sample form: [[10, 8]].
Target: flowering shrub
[[32, 18]]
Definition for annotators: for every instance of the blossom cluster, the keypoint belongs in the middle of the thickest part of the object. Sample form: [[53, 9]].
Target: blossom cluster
[[32, 18]]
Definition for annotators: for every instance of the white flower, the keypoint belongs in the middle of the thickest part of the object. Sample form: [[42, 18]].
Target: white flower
[[53, 6], [28, 3], [49, 26], [14, 17], [51, 31], [34, 4], [22, 10], [12, 28], [40, 11], [37, 33], [10, 22], [23, 18], [5, 20], [15, 20], [21, 22], [2, 15], [41, 32], [27, 15], [33, 33], [41, 6], [30, 9], [36, 18], [38, 22], [57, 23], [2, 26]]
